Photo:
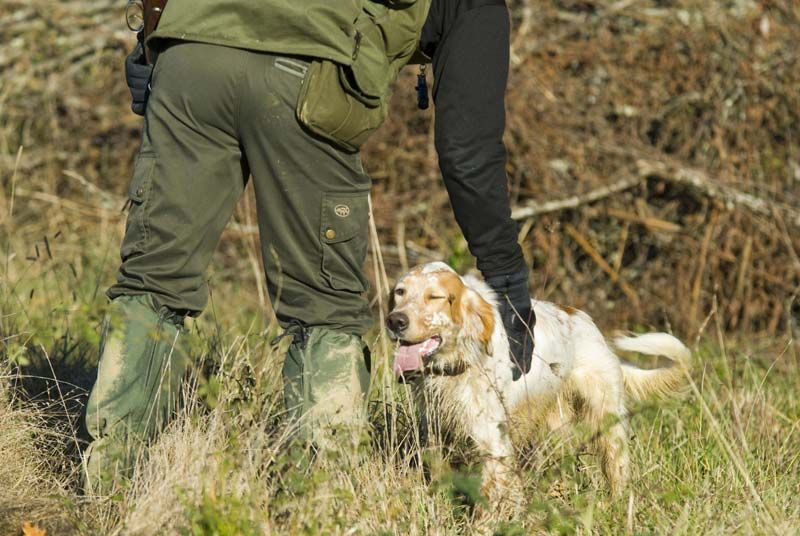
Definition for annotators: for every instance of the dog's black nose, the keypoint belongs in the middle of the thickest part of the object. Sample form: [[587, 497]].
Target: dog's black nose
[[397, 322]]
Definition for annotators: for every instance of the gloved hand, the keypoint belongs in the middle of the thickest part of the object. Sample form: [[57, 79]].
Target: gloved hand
[[137, 74], [514, 303]]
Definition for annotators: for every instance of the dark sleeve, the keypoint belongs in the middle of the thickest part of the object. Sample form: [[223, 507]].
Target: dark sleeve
[[470, 74]]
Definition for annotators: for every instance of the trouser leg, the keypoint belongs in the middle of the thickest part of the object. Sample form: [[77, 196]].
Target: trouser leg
[[324, 385], [189, 173], [138, 382], [313, 213]]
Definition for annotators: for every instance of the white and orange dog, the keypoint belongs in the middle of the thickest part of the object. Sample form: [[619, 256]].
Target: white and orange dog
[[452, 344]]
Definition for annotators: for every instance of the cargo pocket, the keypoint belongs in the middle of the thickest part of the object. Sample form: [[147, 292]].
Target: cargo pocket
[[344, 232], [137, 227]]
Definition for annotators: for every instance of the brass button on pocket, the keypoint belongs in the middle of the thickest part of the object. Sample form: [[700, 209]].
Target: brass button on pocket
[[330, 234]]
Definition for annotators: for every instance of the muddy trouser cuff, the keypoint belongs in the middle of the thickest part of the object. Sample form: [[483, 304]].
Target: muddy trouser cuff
[[138, 381], [325, 385]]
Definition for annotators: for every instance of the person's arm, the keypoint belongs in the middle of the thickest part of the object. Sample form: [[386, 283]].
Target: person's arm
[[470, 67], [470, 73]]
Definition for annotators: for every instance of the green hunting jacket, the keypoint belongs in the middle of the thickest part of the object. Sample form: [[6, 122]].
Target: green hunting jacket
[[376, 38]]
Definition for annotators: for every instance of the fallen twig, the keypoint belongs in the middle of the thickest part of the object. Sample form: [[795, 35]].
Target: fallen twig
[[601, 262], [701, 268], [534, 208], [696, 179]]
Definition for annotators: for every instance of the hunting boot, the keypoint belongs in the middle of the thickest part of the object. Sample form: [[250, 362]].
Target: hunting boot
[[138, 381], [325, 384]]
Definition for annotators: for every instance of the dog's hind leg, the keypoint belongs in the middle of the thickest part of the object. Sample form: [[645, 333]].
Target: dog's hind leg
[[613, 449], [604, 410]]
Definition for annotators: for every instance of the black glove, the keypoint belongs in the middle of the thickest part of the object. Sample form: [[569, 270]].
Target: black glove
[[514, 303], [137, 74]]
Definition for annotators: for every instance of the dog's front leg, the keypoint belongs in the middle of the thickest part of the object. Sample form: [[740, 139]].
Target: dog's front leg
[[430, 444], [500, 482]]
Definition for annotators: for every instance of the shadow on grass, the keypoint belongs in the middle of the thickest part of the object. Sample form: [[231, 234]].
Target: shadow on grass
[[55, 383]]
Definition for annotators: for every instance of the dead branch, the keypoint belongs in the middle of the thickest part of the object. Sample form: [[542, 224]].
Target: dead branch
[[534, 208], [700, 181], [654, 224], [730, 197]]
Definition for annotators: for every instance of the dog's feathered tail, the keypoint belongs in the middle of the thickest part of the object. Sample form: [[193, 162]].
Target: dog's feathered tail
[[643, 383]]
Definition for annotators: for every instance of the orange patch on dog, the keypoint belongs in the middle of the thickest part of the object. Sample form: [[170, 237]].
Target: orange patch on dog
[[466, 304], [568, 309]]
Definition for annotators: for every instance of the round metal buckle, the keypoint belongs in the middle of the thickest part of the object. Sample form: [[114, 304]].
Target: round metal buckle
[[134, 15]]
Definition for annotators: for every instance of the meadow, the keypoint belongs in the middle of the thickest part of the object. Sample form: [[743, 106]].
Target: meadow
[[723, 457]]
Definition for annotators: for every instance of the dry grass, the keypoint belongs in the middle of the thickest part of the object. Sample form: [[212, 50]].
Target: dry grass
[[721, 459], [36, 476]]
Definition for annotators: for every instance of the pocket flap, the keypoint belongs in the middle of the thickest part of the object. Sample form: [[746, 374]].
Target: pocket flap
[[142, 170], [370, 70], [344, 216]]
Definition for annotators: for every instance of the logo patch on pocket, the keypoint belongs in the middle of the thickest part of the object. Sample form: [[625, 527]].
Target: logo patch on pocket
[[342, 211]]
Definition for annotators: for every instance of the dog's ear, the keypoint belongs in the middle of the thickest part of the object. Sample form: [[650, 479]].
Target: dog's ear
[[475, 315]]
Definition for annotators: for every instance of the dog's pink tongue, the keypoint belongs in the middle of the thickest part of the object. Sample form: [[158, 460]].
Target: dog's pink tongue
[[408, 358]]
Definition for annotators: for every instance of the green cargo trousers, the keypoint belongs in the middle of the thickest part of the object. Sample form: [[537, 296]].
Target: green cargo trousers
[[217, 115]]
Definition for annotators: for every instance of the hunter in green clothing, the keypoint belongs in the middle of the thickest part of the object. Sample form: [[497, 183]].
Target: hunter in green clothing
[[284, 92]]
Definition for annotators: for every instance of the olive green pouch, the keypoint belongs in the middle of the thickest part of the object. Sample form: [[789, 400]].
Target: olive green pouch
[[346, 103], [332, 106]]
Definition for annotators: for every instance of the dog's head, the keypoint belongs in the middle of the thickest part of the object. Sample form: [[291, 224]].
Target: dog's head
[[442, 324]]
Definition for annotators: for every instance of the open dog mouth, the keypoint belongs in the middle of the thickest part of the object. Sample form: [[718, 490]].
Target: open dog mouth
[[409, 356]]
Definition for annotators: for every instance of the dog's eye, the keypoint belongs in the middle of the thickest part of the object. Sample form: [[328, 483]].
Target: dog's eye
[[399, 291], [436, 297]]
